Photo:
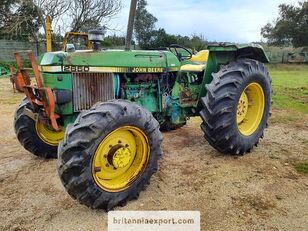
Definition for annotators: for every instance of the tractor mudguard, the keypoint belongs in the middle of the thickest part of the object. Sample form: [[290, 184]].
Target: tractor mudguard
[[251, 51]]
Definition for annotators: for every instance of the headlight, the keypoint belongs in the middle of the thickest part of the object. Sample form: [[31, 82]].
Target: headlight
[[62, 96]]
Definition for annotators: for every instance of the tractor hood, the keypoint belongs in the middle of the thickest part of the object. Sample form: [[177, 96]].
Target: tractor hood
[[116, 61]]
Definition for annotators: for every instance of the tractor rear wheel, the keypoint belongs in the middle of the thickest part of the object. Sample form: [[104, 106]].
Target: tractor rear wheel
[[109, 154], [36, 137], [237, 106]]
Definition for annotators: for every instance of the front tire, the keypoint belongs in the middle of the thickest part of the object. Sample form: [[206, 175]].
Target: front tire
[[36, 137], [237, 106], [109, 154]]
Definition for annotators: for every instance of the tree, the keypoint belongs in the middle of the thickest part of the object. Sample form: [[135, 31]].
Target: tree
[[144, 25], [21, 21], [5, 10], [55, 9], [89, 14], [198, 42], [160, 38], [148, 37], [290, 28], [114, 41]]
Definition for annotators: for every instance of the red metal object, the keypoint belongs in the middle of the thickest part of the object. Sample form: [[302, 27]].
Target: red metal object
[[41, 98], [19, 78]]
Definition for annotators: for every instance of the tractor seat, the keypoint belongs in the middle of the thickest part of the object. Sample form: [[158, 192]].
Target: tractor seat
[[200, 57], [193, 67], [198, 60]]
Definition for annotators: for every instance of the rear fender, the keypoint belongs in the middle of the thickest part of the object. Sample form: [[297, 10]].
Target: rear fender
[[222, 54], [251, 51], [255, 52]]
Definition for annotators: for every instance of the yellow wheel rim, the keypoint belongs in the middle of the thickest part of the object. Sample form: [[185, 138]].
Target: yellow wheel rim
[[48, 135], [120, 159], [250, 109]]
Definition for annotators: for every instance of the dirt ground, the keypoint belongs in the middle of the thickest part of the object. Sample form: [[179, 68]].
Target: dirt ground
[[259, 191]]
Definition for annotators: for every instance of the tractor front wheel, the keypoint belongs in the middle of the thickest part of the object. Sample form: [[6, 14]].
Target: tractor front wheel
[[36, 137], [109, 154], [237, 106]]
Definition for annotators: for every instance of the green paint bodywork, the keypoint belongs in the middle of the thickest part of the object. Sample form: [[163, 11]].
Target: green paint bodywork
[[117, 58], [112, 58], [146, 97], [175, 105]]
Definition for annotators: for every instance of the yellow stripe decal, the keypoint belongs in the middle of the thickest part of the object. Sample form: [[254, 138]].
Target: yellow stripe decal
[[106, 69], [50, 68]]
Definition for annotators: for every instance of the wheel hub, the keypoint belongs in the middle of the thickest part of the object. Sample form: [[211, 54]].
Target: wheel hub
[[250, 109], [242, 108], [48, 135], [119, 156]]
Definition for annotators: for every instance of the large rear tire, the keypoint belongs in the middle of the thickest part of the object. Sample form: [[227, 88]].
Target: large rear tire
[[109, 154], [36, 137], [237, 106]]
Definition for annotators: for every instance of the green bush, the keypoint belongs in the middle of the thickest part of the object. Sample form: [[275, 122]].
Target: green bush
[[7, 64]]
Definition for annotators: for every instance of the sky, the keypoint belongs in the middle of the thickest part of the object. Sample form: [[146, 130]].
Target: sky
[[237, 21]]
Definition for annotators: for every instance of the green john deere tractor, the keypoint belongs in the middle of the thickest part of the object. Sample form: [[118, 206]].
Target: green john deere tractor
[[100, 111]]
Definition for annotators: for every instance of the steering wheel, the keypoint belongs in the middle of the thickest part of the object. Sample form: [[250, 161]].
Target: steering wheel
[[181, 57]]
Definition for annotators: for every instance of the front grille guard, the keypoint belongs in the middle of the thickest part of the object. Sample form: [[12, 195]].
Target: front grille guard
[[90, 88]]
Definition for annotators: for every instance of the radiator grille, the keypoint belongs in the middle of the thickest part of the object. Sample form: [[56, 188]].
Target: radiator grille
[[90, 88]]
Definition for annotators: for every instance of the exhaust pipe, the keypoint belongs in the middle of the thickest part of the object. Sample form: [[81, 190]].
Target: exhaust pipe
[[130, 26], [48, 34]]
